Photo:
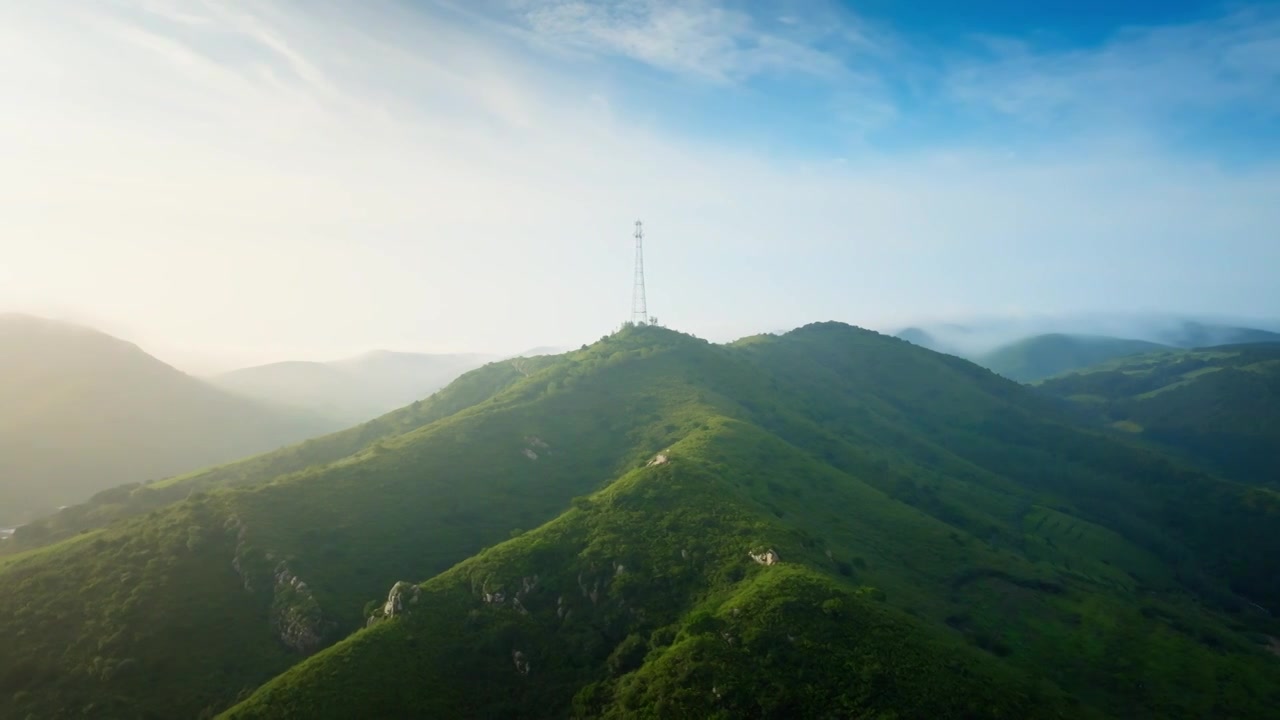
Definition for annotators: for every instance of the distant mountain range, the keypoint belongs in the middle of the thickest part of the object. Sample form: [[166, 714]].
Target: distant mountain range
[[360, 388], [1033, 357], [351, 390], [81, 411]]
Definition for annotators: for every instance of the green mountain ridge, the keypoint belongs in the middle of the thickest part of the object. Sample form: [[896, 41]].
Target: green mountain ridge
[[81, 411], [948, 538], [1216, 406]]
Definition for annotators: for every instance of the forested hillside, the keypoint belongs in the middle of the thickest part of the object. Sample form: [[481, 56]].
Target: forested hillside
[[81, 411], [829, 521], [1217, 406]]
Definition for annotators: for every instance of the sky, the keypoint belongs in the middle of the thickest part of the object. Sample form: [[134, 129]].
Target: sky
[[236, 182]]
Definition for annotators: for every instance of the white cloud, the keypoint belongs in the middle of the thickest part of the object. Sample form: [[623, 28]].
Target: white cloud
[[316, 180]]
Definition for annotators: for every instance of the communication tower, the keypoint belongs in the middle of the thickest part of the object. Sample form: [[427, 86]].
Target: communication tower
[[639, 305]]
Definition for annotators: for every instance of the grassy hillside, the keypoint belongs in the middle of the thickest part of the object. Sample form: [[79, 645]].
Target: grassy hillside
[[81, 411], [1043, 356], [354, 389], [1218, 406], [644, 600], [949, 546]]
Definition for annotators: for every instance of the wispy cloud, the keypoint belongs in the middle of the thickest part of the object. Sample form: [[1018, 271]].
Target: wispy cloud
[[698, 38], [1142, 74]]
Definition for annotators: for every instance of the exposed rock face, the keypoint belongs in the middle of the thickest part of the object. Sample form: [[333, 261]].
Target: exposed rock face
[[238, 528], [295, 612], [659, 459], [527, 585], [529, 453], [402, 595], [768, 557], [521, 662]]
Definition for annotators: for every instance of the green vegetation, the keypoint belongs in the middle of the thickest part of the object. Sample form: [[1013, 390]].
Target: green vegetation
[[81, 411], [1043, 356], [948, 544], [1217, 407]]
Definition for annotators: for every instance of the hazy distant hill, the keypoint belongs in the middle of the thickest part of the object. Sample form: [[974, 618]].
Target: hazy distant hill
[[542, 350], [355, 389], [917, 336], [981, 336], [1192, 334], [1043, 356], [81, 411], [830, 523]]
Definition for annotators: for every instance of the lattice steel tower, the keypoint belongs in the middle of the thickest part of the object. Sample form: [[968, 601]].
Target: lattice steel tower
[[639, 305]]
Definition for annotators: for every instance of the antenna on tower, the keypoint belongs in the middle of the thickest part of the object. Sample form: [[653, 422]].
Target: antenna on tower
[[639, 304]]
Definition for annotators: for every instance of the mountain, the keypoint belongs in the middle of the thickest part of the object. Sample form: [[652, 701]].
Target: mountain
[[81, 411], [828, 522], [354, 389], [1043, 356], [1218, 406]]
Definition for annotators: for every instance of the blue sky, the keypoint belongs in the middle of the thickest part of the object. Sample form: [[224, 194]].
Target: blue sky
[[242, 182], [864, 77]]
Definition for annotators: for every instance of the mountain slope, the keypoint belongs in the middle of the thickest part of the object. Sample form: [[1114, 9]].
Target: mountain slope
[[1218, 406], [645, 600], [354, 389], [134, 499], [1043, 356], [81, 411], [945, 536]]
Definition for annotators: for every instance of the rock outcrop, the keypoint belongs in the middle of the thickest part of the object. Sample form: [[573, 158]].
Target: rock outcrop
[[236, 527], [521, 662], [295, 613], [768, 557], [402, 595], [535, 445]]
